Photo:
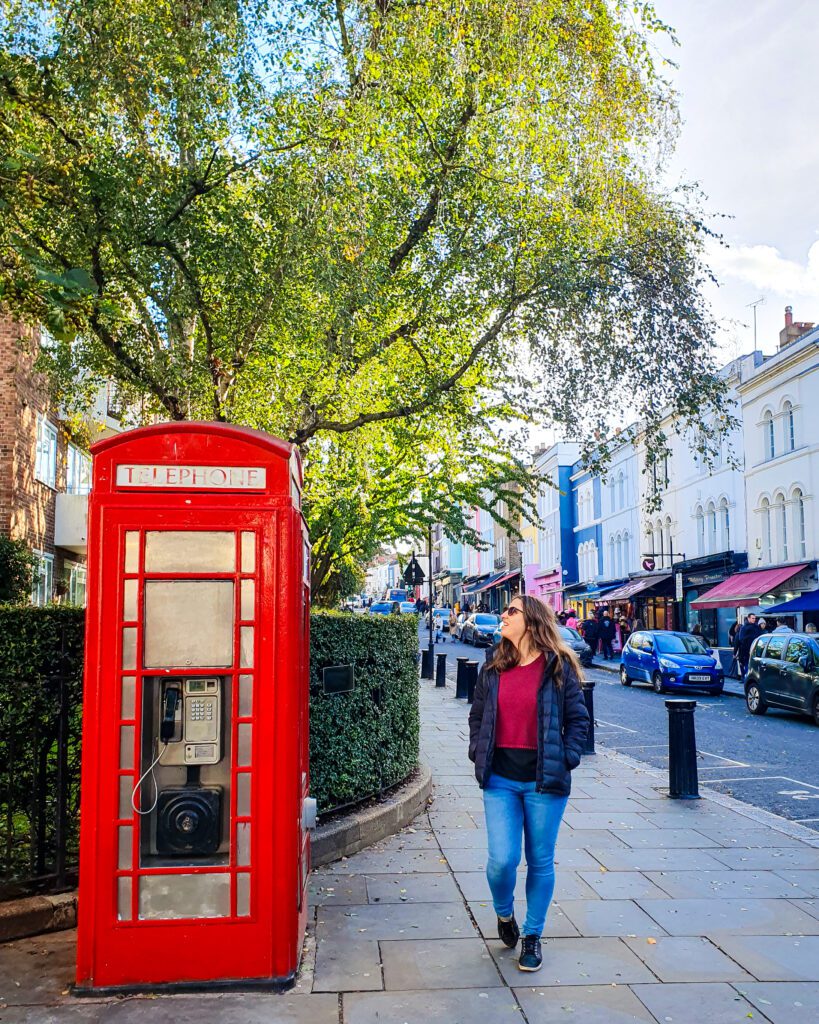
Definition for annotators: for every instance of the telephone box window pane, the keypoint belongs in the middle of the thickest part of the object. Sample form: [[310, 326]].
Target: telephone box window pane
[[246, 646], [190, 551], [128, 703], [126, 786], [129, 639], [248, 552], [188, 623], [245, 696], [129, 600], [248, 601], [245, 742], [124, 899], [126, 746], [125, 846], [243, 843], [243, 895], [243, 794], [132, 551], [165, 897]]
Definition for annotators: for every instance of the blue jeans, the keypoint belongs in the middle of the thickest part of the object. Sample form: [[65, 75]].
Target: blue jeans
[[515, 809]]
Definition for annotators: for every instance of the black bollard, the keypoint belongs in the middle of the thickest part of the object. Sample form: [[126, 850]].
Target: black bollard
[[588, 697], [440, 670], [461, 688], [682, 750], [471, 680], [426, 663]]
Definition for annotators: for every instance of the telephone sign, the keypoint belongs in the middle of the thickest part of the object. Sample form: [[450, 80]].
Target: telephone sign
[[194, 851]]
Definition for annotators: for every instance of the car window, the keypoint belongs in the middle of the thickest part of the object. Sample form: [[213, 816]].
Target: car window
[[568, 634], [797, 648], [487, 620], [775, 647], [636, 641], [759, 645], [675, 643]]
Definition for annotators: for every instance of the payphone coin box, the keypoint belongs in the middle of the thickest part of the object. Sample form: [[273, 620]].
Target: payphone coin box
[[194, 845]]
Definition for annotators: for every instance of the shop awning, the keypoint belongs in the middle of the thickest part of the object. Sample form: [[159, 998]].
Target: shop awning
[[587, 593], [746, 588], [493, 581], [636, 586], [472, 586], [804, 603]]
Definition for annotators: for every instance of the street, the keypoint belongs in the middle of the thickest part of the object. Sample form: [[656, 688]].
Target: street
[[771, 762]]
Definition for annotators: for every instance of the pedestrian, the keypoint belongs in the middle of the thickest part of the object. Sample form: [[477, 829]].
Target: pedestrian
[[527, 729], [811, 627], [591, 633], [606, 628], [571, 619], [782, 627], [625, 631], [763, 625], [732, 634], [745, 638], [696, 630], [637, 625], [453, 622]]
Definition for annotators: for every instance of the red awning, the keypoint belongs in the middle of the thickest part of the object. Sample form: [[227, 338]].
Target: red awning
[[745, 588]]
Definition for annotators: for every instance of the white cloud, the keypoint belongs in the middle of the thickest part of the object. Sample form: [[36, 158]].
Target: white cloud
[[764, 267]]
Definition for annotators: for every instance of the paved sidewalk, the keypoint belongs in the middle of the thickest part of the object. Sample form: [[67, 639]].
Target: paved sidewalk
[[701, 912]]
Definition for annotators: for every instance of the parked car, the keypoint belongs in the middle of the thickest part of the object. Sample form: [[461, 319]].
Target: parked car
[[440, 619], [571, 638], [670, 661], [479, 628], [381, 608], [408, 608], [783, 672]]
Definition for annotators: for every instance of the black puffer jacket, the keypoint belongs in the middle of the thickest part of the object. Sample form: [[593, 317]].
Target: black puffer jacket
[[563, 723]]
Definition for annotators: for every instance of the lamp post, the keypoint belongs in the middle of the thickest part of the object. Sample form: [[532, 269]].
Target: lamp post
[[521, 546]]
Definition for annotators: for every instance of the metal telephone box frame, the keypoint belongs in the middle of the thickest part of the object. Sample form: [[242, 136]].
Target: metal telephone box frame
[[194, 841]]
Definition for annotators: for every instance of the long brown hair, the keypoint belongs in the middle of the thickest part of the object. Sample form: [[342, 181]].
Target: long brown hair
[[542, 626]]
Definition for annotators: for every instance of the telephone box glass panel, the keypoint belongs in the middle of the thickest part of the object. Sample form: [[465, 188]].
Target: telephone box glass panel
[[188, 623], [182, 551]]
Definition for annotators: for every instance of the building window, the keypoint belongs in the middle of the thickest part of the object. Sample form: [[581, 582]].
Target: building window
[[45, 463], [767, 533], [799, 536], [592, 560], [78, 472], [668, 546], [77, 578], [725, 524], [782, 522], [43, 589], [699, 516], [770, 436], [790, 434], [626, 553], [711, 528], [621, 487], [658, 540]]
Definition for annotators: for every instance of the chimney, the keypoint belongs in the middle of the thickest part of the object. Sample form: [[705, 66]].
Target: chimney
[[793, 330]]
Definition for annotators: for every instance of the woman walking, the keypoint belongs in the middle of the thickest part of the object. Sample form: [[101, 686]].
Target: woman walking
[[527, 727]]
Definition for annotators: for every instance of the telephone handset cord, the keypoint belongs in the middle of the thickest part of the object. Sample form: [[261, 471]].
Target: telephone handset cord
[[148, 771]]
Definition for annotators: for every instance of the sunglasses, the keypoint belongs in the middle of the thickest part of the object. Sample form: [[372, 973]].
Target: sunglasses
[[512, 610]]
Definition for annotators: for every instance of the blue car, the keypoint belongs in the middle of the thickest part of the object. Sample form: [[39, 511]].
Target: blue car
[[381, 608], [670, 661]]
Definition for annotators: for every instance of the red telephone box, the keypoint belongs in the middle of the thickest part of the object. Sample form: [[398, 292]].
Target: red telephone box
[[194, 834]]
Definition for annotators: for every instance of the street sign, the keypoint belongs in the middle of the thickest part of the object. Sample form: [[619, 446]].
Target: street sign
[[414, 574], [679, 582], [649, 564]]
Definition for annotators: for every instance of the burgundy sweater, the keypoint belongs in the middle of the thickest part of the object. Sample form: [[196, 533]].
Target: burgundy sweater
[[516, 728]]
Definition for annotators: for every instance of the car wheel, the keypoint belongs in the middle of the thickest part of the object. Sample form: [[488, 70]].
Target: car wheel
[[754, 700], [657, 681], [624, 679]]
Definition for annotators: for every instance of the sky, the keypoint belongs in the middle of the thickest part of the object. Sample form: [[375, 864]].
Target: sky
[[748, 83]]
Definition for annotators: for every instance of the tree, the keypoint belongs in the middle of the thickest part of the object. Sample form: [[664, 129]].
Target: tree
[[349, 218], [17, 566]]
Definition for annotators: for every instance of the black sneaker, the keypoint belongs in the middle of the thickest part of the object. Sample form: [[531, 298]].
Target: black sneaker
[[531, 959], [508, 932]]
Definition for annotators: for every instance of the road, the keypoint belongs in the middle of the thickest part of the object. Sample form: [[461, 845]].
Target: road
[[771, 762]]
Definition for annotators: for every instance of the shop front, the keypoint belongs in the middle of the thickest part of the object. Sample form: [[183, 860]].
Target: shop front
[[448, 586], [762, 591], [585, 599], [648, 598], [694, 578], [548, 586]]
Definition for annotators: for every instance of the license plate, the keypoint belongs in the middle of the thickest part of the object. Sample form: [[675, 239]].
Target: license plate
[[700, 679]]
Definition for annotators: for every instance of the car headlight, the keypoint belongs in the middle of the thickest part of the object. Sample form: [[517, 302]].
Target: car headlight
[[665, 663]]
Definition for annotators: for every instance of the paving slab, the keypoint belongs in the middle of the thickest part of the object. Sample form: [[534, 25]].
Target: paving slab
[[784, 1002], [806, 880], [775, 957], [652, 859], [582, 820], [770, 858], [609, 917], [605, 805], [557, 923], [808, 906], [692, 1003], [577, 962], [392, 921], [438, 1006], [622, 885], [588, 1004], [325, 890], [712, 918], [675, 958], [748, 885], [244, 1008], [424, 887], [349, 965], [751, 838], [582, 839], [39, 969], [412, 839], [666, 839], [386, 861], [438, 963]]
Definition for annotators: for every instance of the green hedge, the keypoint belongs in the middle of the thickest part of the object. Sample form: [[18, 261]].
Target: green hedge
[[365, 741], [41, 652], [360, 742]]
